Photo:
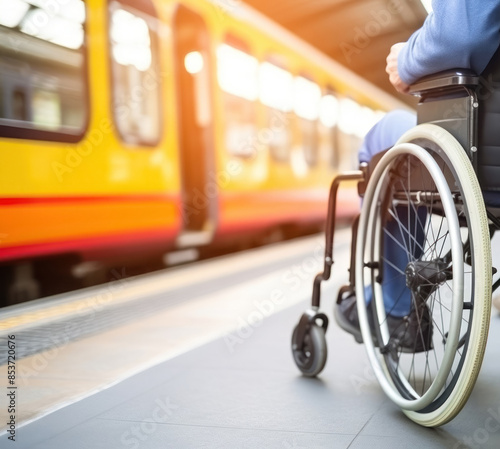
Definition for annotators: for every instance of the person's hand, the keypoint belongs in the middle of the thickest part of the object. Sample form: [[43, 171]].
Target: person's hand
[[392, 69]]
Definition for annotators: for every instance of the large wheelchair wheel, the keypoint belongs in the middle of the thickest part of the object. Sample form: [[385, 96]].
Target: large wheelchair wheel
[[423, 264]]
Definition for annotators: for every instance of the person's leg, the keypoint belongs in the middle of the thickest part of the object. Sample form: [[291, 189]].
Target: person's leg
[[386, 132], [397, 298]]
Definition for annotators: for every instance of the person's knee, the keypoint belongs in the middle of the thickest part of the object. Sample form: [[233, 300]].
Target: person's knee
[[386, 132]]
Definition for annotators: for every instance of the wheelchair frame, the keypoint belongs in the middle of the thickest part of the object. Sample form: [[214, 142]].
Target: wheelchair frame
[[444, 92]]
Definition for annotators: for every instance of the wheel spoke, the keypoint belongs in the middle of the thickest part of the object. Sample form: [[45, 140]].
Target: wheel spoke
[[415, 254]]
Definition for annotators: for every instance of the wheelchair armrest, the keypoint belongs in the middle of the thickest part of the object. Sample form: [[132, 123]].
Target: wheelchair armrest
[[443, 80]]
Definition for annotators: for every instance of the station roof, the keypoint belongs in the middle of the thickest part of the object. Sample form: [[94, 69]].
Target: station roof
[[356, 33]]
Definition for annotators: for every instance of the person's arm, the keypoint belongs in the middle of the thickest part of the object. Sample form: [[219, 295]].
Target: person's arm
[[458, 34]]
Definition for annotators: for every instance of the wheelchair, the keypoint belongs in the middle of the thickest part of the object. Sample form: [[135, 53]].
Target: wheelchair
[[424, 196]]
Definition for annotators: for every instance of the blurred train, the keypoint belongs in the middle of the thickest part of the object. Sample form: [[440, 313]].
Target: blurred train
[[132, 127]]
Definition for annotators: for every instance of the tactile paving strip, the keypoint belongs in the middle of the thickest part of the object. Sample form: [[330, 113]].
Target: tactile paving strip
[[84, 323]]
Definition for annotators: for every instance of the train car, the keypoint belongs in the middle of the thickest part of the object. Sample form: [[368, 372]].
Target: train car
[[129, 127]]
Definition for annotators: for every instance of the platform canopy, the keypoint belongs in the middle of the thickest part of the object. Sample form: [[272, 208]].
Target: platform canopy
[[356, 33]]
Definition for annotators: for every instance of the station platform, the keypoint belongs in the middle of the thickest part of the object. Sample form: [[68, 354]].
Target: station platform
[[210, 366]]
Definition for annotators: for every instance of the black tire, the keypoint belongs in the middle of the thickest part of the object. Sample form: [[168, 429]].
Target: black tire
[[311, 359]]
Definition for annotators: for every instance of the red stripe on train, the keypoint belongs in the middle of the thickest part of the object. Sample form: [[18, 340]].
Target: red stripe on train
[[107, 243], [12, 201]]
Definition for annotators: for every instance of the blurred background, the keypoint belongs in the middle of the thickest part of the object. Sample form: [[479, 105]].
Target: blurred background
[[139, 135]]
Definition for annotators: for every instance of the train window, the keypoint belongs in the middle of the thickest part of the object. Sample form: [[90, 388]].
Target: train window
[[43, 70], [328, 118], [276, 93], [276, 87], [306, 100], [136, 79], [237, 78], [329, 111], [237, 72], [2, 102], [349, 113], [307, 95], [367, 118], [19, 106]]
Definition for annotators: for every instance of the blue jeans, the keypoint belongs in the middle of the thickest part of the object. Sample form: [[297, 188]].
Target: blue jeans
[[397, 297], [385, 133]]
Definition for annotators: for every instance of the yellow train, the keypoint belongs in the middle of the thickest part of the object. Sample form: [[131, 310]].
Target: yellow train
[[138, 125]]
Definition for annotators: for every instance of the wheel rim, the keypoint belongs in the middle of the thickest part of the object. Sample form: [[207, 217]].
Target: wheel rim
[[432, 260], [400, 384]]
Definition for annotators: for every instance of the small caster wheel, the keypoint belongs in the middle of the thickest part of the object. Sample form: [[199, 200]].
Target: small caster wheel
[[311, 358]]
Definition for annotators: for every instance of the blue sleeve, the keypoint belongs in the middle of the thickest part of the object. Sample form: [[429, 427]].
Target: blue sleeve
[[458, 34]]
